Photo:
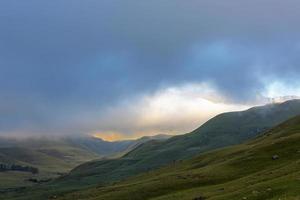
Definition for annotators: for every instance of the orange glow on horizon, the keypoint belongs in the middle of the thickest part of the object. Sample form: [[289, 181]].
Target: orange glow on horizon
[[110, 136], [115, 136]]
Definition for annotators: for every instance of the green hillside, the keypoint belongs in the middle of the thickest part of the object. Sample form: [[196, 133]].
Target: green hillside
[[51, 158], [223, 130], [55, 156], [265, 168]]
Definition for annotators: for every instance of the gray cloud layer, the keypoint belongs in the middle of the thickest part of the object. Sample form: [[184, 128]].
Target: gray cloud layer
[[60, 59]]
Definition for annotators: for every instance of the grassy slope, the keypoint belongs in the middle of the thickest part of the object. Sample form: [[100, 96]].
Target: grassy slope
[[51, 160], [245, 171], [55, 156], [51, 156], [224, 130]]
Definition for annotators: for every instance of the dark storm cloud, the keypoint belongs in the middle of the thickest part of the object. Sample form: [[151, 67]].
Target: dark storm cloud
[[59, 59]]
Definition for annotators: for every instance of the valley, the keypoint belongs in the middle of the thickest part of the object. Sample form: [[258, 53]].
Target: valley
[[53, 157], [149, 100]]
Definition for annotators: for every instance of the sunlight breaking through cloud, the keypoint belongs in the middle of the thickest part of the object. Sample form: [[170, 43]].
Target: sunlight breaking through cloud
[[172, 110]]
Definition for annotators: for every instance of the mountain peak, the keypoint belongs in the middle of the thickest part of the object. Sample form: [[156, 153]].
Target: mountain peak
[[281, 99]]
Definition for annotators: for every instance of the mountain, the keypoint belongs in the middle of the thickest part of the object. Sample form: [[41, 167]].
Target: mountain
[[281, 99], [52, 156], [263, 168], [267, 167], [140, 141], [223, 130]]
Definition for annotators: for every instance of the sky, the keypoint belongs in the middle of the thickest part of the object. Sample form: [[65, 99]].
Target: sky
[[126, 68]]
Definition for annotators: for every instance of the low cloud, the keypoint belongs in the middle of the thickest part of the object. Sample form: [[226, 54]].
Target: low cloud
[[275, 89], [172, 110]]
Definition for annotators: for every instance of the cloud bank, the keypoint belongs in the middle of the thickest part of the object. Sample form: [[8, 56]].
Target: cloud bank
[[174, 110], [65, 64]]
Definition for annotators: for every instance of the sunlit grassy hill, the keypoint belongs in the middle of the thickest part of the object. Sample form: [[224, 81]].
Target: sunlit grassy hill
[[223, 130], [267, 167]]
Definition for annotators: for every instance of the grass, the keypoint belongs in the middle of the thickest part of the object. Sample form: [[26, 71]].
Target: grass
[[51, 160], [245, 171], [223, 130], [55, 156], [14, 179]]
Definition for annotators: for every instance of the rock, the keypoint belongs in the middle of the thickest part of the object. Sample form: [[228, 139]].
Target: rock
[[255, 192], [199, 198], [275, 157]]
